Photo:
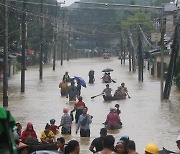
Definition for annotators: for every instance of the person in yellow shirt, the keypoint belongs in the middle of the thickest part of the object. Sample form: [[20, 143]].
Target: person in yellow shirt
[[47, 136], [64, 87]]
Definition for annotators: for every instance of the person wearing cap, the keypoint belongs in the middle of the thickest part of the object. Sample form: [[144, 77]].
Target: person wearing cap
[[66, 77], [72, 92], [47, 136], [29, 133], [66, 122], [97, 143], [54, 127], [78, 107], [151, 148], [120, 147], [84, 123], [178, 144], [107, 91]]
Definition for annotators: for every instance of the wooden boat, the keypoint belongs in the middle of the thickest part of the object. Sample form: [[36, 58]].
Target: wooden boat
[[113, 128], [112, 98]]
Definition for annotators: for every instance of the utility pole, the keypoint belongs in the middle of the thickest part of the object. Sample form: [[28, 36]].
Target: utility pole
[[162, 54], [62, 41], [55, 37], [140, 58], [41, 43], [5, 58], [121, 48], [69, 40], [23, 49]]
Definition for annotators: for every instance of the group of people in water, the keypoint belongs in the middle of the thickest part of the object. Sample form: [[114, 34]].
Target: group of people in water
[[121, 92], [105, 144]]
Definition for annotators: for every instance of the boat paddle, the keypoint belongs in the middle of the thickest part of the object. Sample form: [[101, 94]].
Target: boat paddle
[[96, 95], [128, 95], [113, 81]]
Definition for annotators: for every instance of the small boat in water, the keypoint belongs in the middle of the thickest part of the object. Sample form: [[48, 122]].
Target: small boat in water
[[113, 127], [112, 98]]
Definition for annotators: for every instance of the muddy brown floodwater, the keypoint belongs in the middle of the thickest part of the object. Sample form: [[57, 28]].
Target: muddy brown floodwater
[[145, 118]]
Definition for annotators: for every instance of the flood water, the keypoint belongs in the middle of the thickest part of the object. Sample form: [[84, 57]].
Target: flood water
[[145, 118]]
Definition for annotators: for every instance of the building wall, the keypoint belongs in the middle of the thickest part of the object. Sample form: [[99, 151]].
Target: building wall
[[170, 26]]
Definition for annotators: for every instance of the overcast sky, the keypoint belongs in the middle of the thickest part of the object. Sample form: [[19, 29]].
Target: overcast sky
[[67, 2]]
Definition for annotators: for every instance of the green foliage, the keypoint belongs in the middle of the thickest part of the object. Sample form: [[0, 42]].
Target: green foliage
[[160, 2], [139, 18]]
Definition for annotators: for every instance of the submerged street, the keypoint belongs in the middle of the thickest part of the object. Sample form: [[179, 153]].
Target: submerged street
[[144, 116]]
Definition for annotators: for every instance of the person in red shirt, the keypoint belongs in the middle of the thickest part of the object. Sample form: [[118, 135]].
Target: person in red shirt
[[28, 132], [78, 108], [54, 127]]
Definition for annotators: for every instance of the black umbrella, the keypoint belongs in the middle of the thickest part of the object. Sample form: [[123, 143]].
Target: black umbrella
[[107, 70]]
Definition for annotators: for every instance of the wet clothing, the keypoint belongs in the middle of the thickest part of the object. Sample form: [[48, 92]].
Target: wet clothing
[[66, 122], [72, 91], [54, 128], [107, 91], [84, 124], [113, 120], [98, 143], [78, 89], [79, 109], [28, 134], [64, 88], [123, 91], [45, 135], [66, 77], [91, 76]]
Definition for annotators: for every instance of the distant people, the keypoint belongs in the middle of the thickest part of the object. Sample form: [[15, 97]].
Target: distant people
[[78, 107], [97, 143], [84, 123], [120, 147], [54, 127], [17, 133], [113, 120], [47, 136], [78, 88], [28, 133], [178, 144], [91, 77], [107, 91], [108, 146], [151, 148], [117, 93], [64, 87], [106, 78], [66, 77], [60, 144], [118, 111], [131, 147], [72, 92], [123, 90], [72, 147], [66, 122]]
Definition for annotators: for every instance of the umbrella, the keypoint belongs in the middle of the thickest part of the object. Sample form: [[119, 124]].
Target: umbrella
[[107, 70], [82, 82]]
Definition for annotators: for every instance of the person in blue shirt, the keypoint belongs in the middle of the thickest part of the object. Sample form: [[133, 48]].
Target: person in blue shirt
[[84, 123]]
